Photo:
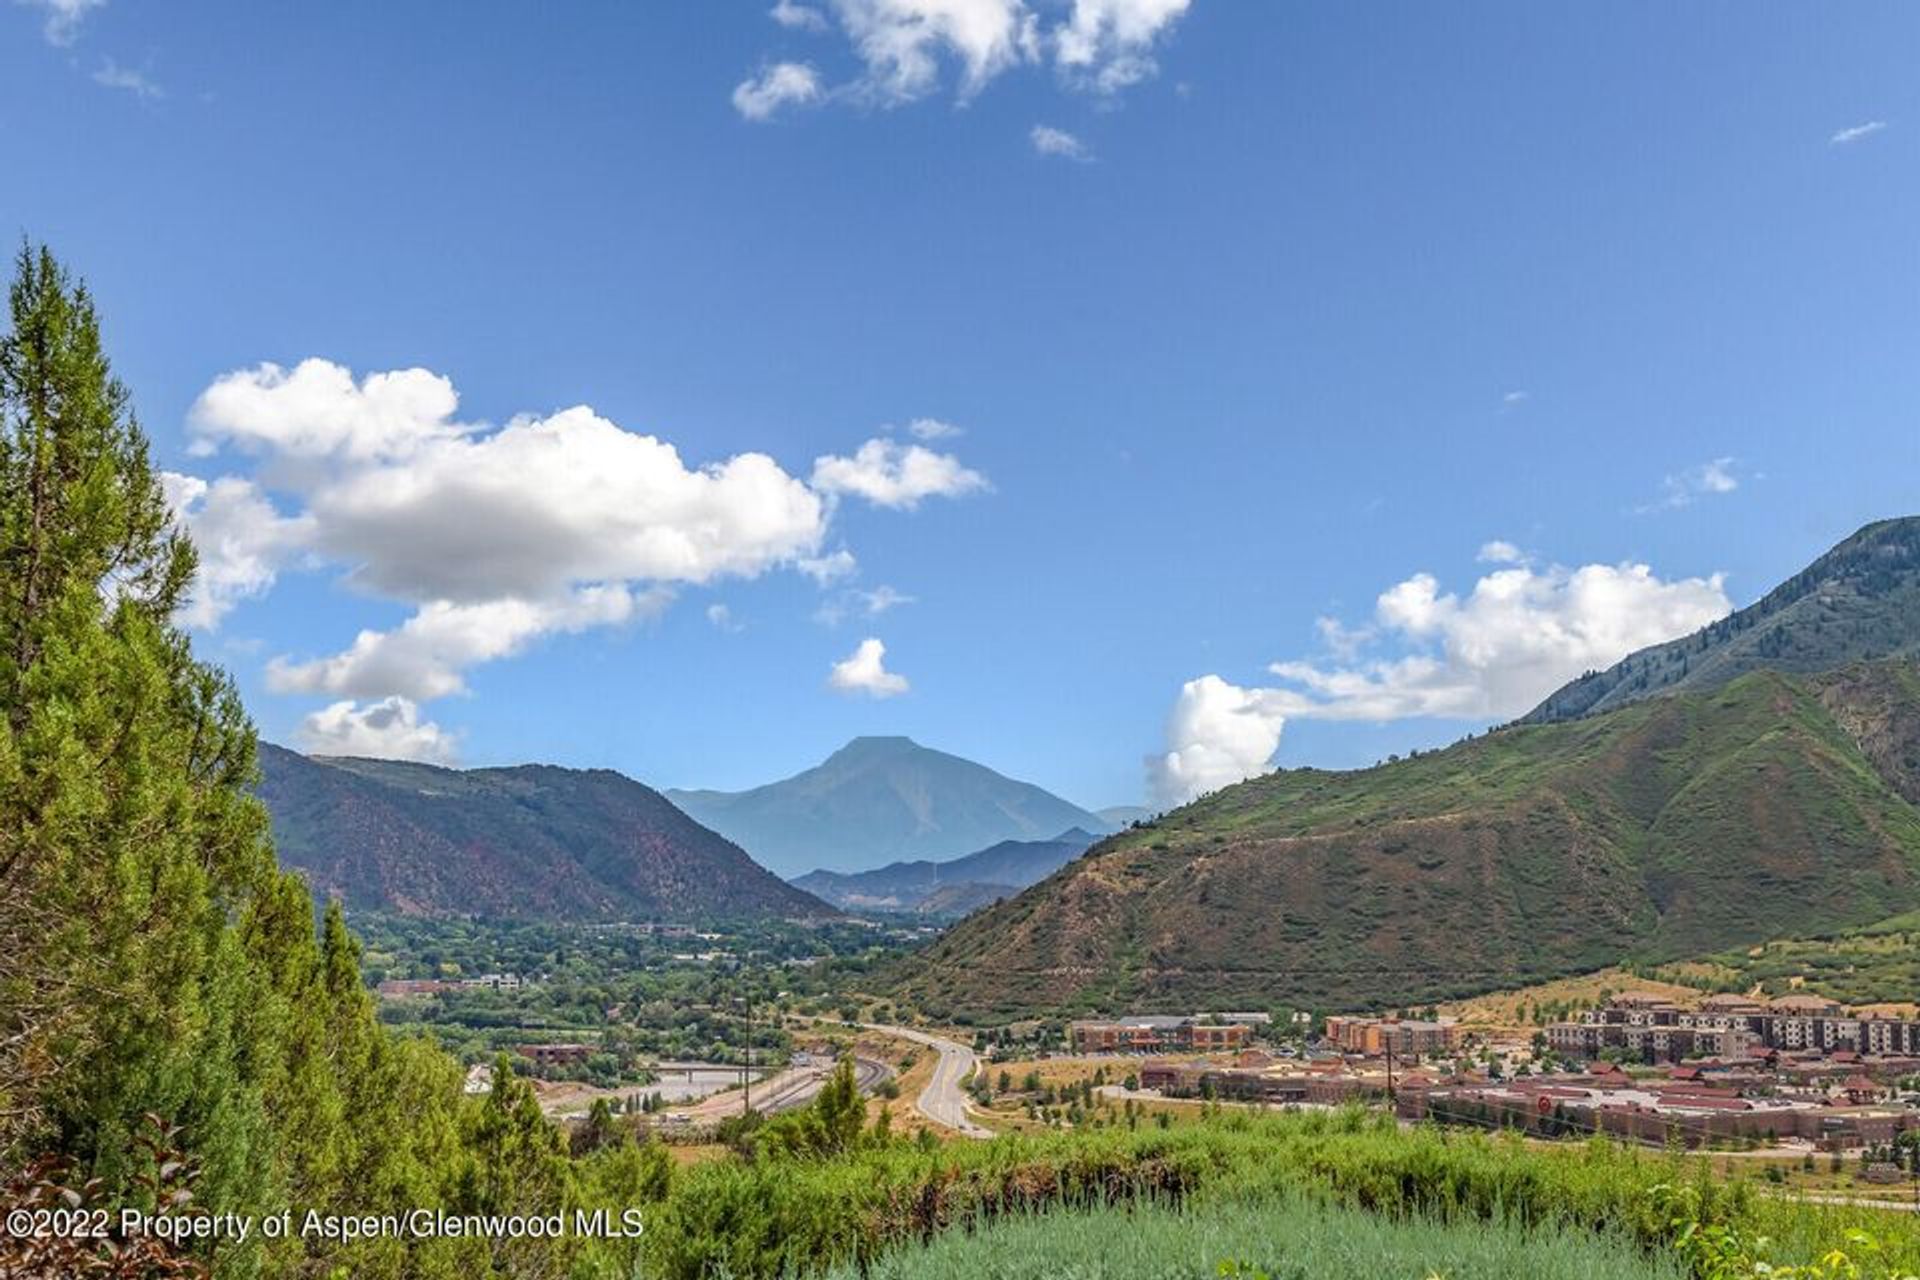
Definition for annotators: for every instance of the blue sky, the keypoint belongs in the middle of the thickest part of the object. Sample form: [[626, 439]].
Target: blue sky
[[1296, 304]]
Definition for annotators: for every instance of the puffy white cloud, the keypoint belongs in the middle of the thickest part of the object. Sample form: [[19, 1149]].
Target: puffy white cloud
[[1500, 551], [424, 657], [546, 503], [1517, 636], [63, 17], [494, 536], [1217, 734], [797, 17], [242, 542], [390, 729], [784, 84], [721, 618], [1049, 141], [865, 672], [905, 45], [1853, 133], [890, 474], [1108, 44], [902, 42], [316, 411]]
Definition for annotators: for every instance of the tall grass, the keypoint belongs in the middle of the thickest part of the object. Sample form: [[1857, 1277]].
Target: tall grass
[[1279, 1238], [782, 1217]]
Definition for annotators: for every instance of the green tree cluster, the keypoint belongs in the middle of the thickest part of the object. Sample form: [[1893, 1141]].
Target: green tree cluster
[[154, 959]]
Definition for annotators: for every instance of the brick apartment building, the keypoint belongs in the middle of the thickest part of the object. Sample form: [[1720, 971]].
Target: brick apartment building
[[1654, 1113], [1403, 1037], [1653, 1028], [555, 1055], [1156, 1034]]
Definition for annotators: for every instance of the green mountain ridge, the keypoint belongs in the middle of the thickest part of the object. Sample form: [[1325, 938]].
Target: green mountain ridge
[[1858, 602], [1756, 780], [1670, 828], [532, 842], [879, 800]]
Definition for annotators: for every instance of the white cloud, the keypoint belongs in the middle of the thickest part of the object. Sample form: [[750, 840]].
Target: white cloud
[[1500, 551], [1517, 636], [494, 537], [797, 17], [889, 474], [1853, 133], [1341, 640], [114, 76], [865, 672], [869, 604], [1049, 141], [1108, 44], [830, 568], [1683, 487], [316, 412], [721, 617], [784, 84], [933, 429], [1513, 398], [1217, 734], [903, 42], [905, 46], [425, 656], [63, 17], [241, 540], [390, 729]]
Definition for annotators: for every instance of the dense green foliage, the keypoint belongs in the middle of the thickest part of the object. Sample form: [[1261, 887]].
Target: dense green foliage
[[1284, 1238], [636, 994], [1880, 963], [769, 1217], [1774, 806], [153, 958]]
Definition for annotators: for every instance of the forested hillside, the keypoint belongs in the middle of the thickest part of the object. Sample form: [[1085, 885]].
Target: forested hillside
[[529, 842], [1775, 806]]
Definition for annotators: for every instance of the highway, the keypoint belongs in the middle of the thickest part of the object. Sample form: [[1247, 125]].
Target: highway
[[943, 1101], [795, 1087]]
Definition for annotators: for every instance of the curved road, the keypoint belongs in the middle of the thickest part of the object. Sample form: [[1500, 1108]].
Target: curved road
[[942, 1100]]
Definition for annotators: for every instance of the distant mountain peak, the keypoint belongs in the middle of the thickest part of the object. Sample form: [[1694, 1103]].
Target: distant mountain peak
[[882, 799]]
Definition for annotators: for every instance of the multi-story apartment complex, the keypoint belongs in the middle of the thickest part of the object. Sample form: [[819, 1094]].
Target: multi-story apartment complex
[[1402, 1037], [1655, 1029], [1152, 1033]]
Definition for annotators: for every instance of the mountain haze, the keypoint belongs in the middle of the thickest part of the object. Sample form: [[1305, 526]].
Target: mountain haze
[[534, 841], [1859, 601], [880, 800], [953, 887]]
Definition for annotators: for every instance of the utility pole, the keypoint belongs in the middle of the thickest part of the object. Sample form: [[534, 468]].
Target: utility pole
[[1393, 1099], [746, 1077]]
